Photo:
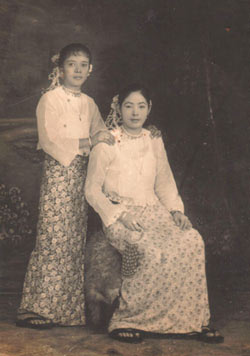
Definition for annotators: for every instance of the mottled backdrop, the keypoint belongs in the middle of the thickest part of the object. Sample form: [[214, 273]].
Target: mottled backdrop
[[195, 57]]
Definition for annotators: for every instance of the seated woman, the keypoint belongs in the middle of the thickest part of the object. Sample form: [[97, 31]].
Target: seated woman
[[132, 188]]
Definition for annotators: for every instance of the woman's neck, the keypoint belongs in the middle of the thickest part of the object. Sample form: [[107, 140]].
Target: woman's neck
[[132, 133], [74, 92]]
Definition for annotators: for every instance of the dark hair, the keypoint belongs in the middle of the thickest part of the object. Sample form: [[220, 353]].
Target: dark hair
[[124, 93], [73, 48]]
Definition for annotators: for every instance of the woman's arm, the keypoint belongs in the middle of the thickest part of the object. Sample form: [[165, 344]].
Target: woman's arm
[[99, 162], [165, 186], [50, 138]]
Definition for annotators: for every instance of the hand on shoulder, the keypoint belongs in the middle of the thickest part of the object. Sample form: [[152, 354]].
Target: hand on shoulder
[[154, 132], [104, 136]]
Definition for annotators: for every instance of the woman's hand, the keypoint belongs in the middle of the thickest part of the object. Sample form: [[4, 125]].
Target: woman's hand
[[103, 136], [154, 132], [181, 220], [131, 222]]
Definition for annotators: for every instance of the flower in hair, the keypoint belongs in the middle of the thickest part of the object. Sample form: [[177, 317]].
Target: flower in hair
[[55, 58], [54, 76], [115, 102], [114, 119]]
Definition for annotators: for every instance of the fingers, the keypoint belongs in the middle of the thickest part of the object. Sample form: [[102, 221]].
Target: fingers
[[103, 136], [141, 225], [107, 138], [111, 139], [155, 134], [132, 223], [185, 224], [135, 226], [182, 221], [188, 225]]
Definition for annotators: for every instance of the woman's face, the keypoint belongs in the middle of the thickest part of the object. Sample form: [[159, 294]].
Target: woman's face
[[75, 70], [134, 112]]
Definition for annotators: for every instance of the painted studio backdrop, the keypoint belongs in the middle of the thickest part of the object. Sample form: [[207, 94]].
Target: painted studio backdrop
[[193, 55]]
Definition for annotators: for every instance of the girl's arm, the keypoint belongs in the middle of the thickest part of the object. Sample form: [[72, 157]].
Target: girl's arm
[[50, 136], [165, 186], [97, 123], [99, 161], [98, 130]]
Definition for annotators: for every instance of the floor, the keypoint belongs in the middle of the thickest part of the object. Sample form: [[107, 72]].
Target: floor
[[230, 303]]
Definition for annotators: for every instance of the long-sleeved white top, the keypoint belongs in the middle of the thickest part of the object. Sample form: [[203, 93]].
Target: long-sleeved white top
[[63, 119], [135, 171]]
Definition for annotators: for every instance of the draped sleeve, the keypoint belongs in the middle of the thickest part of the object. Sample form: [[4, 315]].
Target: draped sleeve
[[165, 186], [99, 161], [50, 132], [97, 123]]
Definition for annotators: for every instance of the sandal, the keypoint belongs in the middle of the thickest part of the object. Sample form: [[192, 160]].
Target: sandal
[[30, 322], [132, 336], [207, 335], [210, 336], [175, 336]]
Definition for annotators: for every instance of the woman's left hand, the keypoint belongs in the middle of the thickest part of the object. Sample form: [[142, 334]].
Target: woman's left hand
[[181, 220], [154, 132]]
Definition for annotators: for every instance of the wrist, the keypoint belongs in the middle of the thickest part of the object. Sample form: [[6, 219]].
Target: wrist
[[81, 143], [173, 212], [93, 140]]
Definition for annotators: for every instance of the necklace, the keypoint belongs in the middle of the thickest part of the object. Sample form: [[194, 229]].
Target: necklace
[[68, 91], [78, 100], [131, 136]]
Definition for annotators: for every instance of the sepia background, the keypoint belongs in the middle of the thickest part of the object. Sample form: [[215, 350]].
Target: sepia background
[[195, 58]]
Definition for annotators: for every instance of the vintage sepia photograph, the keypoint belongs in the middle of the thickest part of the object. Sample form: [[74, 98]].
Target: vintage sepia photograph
[[124, 178]]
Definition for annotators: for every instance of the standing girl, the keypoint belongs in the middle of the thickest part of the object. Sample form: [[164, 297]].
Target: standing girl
[[69, 123]]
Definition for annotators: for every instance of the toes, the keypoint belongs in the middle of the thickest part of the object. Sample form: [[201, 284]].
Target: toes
[[129, 335], [40, 322]]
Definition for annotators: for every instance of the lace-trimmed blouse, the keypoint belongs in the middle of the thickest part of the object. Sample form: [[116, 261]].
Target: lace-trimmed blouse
[[135, 171], [62, 120]]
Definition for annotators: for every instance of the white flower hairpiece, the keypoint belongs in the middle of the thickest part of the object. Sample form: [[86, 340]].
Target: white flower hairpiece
[[114, 119], [54, 76], [55, 58], [115, 102]]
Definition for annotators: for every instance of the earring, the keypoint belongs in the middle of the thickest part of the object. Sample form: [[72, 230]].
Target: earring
[[90, 69]]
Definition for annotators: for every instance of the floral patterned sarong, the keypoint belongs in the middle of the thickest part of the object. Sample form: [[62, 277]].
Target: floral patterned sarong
[[54, 281], [168, 291]]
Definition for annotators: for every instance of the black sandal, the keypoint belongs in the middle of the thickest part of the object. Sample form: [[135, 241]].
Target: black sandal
[[27, 323], [210, 336], [207, 335], [120, 335]]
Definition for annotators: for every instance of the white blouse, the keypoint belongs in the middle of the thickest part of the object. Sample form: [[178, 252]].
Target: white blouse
[[135, 171], [62, 120]]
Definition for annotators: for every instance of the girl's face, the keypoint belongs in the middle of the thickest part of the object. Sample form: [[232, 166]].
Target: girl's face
[[134, 112], [75, 70]]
